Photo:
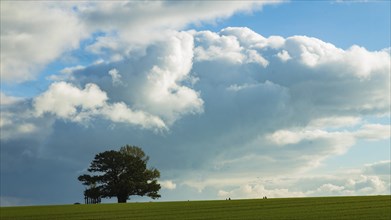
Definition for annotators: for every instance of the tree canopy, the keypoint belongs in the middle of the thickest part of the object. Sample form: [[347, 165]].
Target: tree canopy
[[122, 174]]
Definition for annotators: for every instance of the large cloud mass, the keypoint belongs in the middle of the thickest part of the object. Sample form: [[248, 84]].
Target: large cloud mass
[[232, 108]]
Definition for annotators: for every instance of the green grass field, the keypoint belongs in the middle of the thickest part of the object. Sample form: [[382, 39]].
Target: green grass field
[[363, 207]]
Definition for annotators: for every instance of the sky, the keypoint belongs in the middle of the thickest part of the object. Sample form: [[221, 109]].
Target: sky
[[239, 99]]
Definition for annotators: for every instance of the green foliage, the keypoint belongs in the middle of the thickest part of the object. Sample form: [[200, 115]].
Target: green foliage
[[93, 192], [365, 207], [134, 151], [122, 174]]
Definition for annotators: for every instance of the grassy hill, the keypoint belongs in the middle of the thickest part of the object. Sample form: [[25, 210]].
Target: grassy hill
[[363, 207]]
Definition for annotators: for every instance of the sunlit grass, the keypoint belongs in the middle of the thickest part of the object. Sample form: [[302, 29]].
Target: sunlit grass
[[363, 207]]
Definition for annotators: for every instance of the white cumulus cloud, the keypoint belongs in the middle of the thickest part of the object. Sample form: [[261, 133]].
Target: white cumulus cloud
[[34, 34], [115, 76], [63, 99], [167, 184], [71, 103]]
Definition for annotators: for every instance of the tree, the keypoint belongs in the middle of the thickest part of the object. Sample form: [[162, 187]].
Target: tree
[[92, 195], [122, 174]]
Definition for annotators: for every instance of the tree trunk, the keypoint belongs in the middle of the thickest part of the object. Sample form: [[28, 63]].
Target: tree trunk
[[122, 198]]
